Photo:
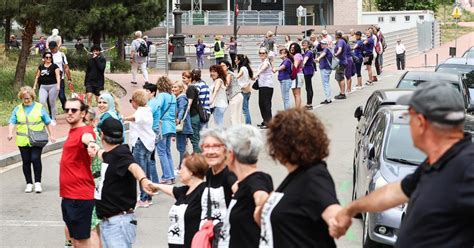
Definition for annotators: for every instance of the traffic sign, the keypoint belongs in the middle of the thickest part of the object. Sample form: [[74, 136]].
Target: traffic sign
[[301, 11], [456, 13]]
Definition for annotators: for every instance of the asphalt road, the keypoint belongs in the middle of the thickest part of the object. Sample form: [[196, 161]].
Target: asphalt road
[[34, 220]]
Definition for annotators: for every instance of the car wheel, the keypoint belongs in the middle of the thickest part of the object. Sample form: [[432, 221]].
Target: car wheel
[[366, 241]]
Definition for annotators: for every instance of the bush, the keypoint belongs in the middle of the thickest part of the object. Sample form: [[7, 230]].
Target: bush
[[117, 65], [77, 61]]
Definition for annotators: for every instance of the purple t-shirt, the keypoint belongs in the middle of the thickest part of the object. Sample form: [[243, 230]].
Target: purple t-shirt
[[41, 47], [200, 49], [308, 68], [348, 51], [324, 63], [358, 50], [285, 74], [342, 56], [369, 47]]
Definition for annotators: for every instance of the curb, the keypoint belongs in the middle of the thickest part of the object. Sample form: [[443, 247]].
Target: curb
[[15, 157]]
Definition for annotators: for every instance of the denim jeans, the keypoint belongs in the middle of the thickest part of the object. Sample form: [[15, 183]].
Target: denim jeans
[[196, 125], [245, 108], [164, 152], [143, 157], [200, 61], [219, 116], [181, 140], [325, 75], [119, 231], [285, 86]]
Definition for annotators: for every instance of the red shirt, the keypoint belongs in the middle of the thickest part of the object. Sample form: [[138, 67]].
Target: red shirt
[[75, 175]]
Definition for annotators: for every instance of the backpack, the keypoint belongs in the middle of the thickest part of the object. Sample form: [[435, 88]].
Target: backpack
[[143, 50], [217, 47]]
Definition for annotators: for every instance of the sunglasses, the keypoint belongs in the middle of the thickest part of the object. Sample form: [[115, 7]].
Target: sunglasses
[[47, 57], [73, 110]]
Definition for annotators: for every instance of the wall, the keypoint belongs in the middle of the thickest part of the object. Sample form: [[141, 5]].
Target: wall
[[346, 11], [400, 23]]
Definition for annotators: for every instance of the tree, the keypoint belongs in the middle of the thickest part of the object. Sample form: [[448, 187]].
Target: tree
[[397, 5], [8, 9]]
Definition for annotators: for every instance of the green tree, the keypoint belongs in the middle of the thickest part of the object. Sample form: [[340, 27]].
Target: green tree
[[397, 5], [8, 10]]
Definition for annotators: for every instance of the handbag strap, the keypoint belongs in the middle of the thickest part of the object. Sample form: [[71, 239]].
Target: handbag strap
[[169, 106], [209, 202]]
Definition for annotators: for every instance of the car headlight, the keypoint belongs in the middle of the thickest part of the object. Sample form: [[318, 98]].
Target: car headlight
[[380, 182]]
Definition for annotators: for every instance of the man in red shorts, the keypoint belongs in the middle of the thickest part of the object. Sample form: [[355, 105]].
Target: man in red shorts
[[76, 184]]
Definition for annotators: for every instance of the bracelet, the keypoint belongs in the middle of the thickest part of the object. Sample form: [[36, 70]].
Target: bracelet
[[141, 179]]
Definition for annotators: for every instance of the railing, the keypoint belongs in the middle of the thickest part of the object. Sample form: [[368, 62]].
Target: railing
[[245, 18]]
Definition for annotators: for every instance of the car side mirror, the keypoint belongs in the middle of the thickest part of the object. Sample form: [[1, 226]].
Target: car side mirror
[[358, 113]]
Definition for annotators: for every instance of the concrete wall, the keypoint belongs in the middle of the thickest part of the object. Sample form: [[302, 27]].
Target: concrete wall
[[346, 12], [400, 23]]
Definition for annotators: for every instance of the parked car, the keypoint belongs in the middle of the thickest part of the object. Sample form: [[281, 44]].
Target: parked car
[[387, 155], [463, 67], [469, 53], [364, 115], [411, 79]]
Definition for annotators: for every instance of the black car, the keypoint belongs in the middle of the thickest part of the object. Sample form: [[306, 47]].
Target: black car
[[411, 79], [364, 115]]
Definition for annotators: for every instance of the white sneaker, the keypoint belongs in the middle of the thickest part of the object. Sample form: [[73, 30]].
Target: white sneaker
[[29, 188], [53, 123], [38, 188]]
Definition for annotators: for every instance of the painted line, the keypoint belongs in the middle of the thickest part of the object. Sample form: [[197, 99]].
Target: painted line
[[32, 223], [345, 186], [350, 235]]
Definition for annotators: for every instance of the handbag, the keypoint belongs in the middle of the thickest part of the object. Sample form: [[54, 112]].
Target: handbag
[[255, 85], [334, 63], [208, 235], [203, 114], [180, 126], [37, 138]]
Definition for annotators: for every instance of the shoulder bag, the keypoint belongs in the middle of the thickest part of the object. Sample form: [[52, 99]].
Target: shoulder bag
[[203, 114], [37, 138]]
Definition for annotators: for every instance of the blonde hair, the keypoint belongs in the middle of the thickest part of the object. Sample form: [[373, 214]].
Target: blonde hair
[[26, 90], [180, 85], [140, 97], [269, 34], [138, 34]]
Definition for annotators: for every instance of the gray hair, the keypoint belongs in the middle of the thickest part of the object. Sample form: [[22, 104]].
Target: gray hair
[[443, 128], [217, 133], [246, 143], [138, 34]]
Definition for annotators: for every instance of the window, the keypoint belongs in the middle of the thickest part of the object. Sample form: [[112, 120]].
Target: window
[[421, 17], [407, 18], [393, 19], [380, 18]]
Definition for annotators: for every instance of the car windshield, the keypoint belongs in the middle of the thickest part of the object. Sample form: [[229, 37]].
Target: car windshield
[[454, 69], [400, 147], [412, 83], [469, 54]]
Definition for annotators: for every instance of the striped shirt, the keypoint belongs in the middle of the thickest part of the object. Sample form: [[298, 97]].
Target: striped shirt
[[204, 95]]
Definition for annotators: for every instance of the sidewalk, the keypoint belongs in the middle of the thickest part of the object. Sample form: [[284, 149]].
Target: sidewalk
[[415, 63], [9, 152]]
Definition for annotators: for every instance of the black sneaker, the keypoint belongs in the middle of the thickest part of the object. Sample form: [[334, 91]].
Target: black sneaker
[[134, 83], [147, 82], [340, 97], [326, 102], [263, 127], [308, 107], [261, 124]]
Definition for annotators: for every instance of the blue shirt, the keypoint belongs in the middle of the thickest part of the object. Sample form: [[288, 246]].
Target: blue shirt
[[285, 74], [369, 47], [166, 113], [44, 115], [325, 63], [358, 50], [341, 56], [200, 49], [308, 68]]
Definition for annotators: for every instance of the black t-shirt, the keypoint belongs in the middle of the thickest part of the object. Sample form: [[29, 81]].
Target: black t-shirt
[[240, 228], [291, 217], [440, 212], [47, 74], [117, 191], [221, 193], [193, 93], [95, 71], [185, 216]]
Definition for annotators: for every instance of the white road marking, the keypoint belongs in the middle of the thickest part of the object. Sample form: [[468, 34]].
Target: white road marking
[[32, 223]]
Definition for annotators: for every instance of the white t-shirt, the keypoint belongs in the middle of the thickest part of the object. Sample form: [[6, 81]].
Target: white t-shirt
[[142, 128], [265, 78], [135, 45], [221, 98], [244, 80], [60, 59], [399, 49]]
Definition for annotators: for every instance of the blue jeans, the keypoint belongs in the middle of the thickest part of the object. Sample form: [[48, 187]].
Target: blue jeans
[[164, 152], [325, 74], [285, 86], [200, 61], [119, 231], [219, 116], [181, 140], [245, 108], [143, 157]]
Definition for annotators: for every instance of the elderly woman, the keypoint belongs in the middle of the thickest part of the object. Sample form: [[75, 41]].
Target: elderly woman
[[185, 214], [142, 137], [183, 119], [241, 226], [167, 116], [219, 179], [29, 115], [265, 84], [297, 214], [325, 59]]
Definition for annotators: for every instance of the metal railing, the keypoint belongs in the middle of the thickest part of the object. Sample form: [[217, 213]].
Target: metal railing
[[245, 18]]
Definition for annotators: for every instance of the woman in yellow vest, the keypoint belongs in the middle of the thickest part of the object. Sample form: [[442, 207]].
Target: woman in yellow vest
[[38, 118]]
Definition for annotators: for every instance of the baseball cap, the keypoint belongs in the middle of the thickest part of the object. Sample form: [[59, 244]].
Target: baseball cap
[[112, 128], [323, 42], [438, 102], [359, 33], [52, 44]]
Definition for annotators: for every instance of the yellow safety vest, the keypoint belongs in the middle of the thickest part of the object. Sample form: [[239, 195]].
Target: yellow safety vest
[[34, 121], [221, 52]]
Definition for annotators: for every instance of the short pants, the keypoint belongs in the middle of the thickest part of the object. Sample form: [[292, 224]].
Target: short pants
[[340, 72], [77, 214], [369, 59], [94, 88]]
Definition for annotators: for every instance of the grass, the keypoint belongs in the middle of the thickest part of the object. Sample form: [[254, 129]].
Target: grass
[[448, 32], [466, 16], [8, 96]]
